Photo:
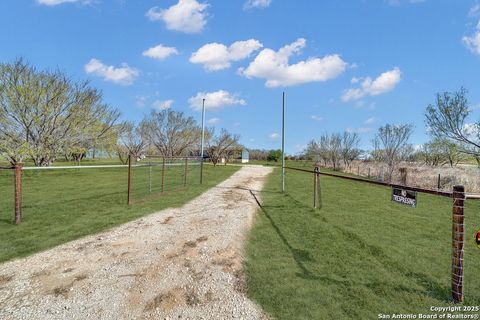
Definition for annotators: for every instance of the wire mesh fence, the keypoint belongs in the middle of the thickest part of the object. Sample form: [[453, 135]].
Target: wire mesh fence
[[153, 176], [73, 190], [27, 191], [7, 195]]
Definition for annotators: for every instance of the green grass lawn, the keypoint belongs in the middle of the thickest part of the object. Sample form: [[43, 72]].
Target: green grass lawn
[[357, 257], [63, 205]]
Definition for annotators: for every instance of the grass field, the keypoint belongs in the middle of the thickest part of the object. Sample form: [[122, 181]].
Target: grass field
[[62, 205], [359, 256]]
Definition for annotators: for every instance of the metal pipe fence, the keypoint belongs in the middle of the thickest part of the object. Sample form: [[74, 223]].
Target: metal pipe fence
[[458, 196]]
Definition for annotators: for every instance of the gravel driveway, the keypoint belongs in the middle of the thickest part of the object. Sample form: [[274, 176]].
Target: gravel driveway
[[183, 263]]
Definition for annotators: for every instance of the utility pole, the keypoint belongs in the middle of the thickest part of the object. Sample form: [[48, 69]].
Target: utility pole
[[283, 142], [203, 140]]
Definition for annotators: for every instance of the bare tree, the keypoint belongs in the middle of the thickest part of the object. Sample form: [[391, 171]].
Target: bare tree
[[335, 150], [221, 146], [132, 141], [45, 114], [172, 133], [377, 153], [447, 119], [350, 150], [312, 151], [257, 154], [393, 141], [324, 149]]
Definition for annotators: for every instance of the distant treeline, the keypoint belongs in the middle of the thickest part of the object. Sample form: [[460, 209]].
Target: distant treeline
[[45, 116]]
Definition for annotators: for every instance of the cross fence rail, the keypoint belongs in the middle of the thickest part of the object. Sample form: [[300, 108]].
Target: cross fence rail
[[458, 195], [387, 184]]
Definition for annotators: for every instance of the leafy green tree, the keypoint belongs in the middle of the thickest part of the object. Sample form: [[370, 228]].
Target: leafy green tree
[[274, 155], [44, 114], [441, 151]]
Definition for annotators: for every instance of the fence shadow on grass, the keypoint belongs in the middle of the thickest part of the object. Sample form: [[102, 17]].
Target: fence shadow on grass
[[300, 256], [431, 287]]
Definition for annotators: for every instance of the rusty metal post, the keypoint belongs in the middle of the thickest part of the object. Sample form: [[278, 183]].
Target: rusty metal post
[[438, 181], [319, 189], [315, 190], [129, 188], [185, 173], [149, 177], [163, 174], [18, 193], [458, 239]]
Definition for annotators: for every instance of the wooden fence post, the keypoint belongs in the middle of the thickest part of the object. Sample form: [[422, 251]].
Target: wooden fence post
[[368, 172], [18, 193], [458, 239], [163, 174], [438, 181], [129, 188]]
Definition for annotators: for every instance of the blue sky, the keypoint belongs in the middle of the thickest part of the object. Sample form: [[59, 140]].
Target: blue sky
[[345, 65]]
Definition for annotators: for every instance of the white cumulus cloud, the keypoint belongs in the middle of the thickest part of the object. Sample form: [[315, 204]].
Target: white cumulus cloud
[[160, 52], [473, 42], [250, 4], [123, 75], [52, 3], [215, 100], [275, 68], [385, 82], [189, 16], [162, 105], [217, 56]]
